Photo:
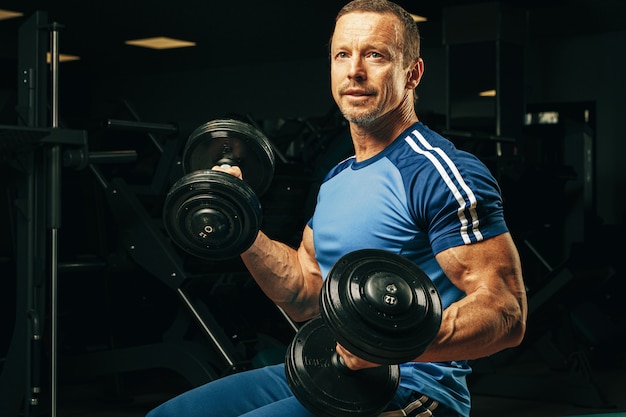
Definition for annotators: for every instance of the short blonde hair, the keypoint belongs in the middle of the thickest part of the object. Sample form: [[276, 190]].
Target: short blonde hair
[[411, 39]]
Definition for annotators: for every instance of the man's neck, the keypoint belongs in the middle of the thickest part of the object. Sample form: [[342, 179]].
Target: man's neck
[[371, 139]]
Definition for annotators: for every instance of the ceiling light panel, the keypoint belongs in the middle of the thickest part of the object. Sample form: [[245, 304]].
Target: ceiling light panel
[[160, 42], [9, 14]]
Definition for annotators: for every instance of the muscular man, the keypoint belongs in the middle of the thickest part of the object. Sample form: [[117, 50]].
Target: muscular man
[[406, 190]]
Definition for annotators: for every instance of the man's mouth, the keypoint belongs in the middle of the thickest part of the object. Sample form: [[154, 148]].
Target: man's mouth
[[355, 92]]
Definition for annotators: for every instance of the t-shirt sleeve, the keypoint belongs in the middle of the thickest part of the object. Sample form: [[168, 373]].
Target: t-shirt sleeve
[[459, 204]]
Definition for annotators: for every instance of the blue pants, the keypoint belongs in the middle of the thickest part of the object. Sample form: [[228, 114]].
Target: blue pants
[[260, 392]]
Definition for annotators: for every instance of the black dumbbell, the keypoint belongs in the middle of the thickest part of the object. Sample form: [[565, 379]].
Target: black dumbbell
[[379, 306], [211, 214]]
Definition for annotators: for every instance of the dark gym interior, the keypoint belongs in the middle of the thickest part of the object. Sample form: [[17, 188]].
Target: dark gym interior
[[102, 315]]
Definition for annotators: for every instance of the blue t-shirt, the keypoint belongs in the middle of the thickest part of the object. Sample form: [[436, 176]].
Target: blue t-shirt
[[416, 198]]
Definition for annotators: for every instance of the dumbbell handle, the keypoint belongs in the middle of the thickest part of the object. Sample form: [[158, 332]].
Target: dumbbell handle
[[337, 361], [226, 161]]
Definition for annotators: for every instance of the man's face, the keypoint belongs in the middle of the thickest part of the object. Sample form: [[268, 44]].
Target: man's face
[[368, 78]]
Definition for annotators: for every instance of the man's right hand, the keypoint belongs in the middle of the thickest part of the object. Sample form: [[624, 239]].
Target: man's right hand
[[232, 170]]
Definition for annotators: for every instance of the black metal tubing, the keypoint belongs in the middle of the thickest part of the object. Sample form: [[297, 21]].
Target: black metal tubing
[[145, 127], [147, 245]]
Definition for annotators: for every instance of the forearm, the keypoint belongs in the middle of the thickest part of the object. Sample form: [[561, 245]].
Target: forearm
[[477, 326], [285, 276], [492, 315]]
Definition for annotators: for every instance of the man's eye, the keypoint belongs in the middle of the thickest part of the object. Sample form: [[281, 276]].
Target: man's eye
[[342, 55], [375, 55]]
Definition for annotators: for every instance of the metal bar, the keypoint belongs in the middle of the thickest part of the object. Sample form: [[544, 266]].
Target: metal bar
[[292, 323], [230, 361], [79, 158], [55, 216], [137, 118], [538, 255], [132, 126], [99, 176], [82, 266]]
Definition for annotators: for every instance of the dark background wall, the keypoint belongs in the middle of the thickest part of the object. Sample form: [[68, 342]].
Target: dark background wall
[[571, 69]]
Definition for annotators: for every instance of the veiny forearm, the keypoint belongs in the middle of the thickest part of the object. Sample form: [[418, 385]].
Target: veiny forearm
[[285, 276], [478, 326], [492, 315]]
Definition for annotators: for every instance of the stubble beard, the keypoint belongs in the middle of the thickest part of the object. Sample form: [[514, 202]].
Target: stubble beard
[[361, 118]]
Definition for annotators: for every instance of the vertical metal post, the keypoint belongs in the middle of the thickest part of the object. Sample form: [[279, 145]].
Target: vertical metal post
[[498, 54], [55, 214]]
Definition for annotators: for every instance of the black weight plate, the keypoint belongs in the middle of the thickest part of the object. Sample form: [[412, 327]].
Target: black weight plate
[[328, 390], [354, 303], [241, 142], [212, 215]]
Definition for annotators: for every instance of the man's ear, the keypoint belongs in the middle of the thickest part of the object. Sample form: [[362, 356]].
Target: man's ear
[[415, 74]]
